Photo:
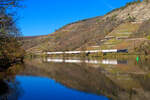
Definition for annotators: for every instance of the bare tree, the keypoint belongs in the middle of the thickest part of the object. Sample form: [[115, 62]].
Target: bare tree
[[9, 3], [10, 48]]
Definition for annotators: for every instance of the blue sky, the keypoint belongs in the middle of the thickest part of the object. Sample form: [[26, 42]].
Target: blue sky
[[41, 17]]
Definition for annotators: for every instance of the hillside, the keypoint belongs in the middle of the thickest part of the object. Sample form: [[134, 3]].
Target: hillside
[[125, 27]]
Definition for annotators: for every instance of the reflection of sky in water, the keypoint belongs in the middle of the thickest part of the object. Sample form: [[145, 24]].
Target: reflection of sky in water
[[38, 88]]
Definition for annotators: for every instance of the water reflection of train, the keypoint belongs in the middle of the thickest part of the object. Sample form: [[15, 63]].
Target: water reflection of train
[[105, 61]]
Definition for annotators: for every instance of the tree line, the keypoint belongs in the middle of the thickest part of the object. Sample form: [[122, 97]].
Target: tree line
[[10, 47]]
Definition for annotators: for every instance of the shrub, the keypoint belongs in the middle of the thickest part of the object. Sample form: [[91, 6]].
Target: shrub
[[148, 37], [131, 19]]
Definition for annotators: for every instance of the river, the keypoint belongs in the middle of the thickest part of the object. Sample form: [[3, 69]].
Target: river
[[76, 79]]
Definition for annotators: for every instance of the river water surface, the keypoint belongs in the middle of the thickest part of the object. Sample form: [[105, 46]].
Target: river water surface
[[76, 79]]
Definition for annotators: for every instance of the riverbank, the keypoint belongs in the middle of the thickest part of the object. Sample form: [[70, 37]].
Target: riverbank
[[95, 55], [5, 62]]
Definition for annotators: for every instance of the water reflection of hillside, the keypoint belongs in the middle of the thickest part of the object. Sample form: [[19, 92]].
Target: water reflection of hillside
[[119, 81]]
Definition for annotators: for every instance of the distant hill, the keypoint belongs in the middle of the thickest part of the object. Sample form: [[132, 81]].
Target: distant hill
[[125, 27]]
